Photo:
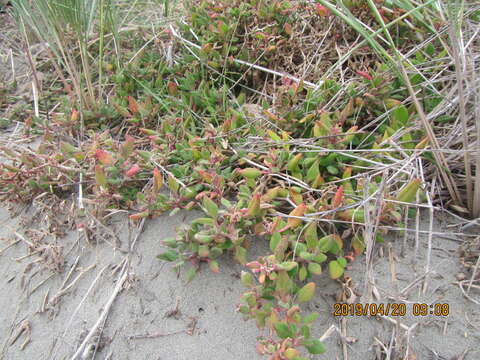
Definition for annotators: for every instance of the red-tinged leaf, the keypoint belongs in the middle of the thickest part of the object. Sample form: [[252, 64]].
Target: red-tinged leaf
[[261, 278], [104, 157], [288, 28], [298, 211], [338, 198], [133, 170], [253, 265], [259, 228], [139, 216], [254, 206], [127, 146], [206, 176], [100, 177], [261, 349], [322, 10], [214, 267], [172, 88], [148, 131], [157, 180], [207, 48], [75, 115], [132, 105], [358, 245], [365, 75]]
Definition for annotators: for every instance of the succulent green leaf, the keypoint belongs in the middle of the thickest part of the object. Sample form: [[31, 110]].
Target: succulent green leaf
[[241, 255], [305, 255], [302, 273], [310, 318], [287, 265], [400, 114], [320, 258], [315, 268], [170, 242], [283, 330], [335, 269], [169, 255], [313, 171], [305, 331], [283, 282], [342, 261], [210, 206], [173, 184], [214, 267], [325, 243], [247, 278], [203, 221], [315, 347], [275, 240], [306, 293], [311, 236], [190, 274], [215, 252]]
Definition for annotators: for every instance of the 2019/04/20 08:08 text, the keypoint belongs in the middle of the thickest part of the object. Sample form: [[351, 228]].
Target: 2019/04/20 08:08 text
[[390, 309]]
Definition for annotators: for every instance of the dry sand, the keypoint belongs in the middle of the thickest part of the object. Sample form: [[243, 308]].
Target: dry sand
[[145, 322]]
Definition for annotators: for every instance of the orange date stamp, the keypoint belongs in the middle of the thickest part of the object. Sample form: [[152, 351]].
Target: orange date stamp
[[391, 309]]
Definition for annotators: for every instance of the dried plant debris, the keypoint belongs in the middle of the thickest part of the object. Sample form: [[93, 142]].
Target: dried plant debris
[[318, 127]]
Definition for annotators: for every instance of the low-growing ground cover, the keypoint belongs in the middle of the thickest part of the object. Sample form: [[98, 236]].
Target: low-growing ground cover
[[321, 128]]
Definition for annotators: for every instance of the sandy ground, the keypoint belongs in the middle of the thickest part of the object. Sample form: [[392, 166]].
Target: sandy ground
[[156, 316], [199, 317]]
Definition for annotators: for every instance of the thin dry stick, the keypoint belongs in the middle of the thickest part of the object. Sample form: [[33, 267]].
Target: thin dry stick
[[394, 322], [29, 57], [84, 298], [393, 271], [475, 269], [405, 234], [12, 64], [391, 350], [439, 156], [153, 335], [35, 100], [169, 173], [35, 288], [409, 332], [456, 51], [104, 313], [460, 284], [329, 333], [106, 309], [64, 290], [344, 335], [371, 226], [430, 227], [382, 345], [256, 67], [43, 307], [69, 274], [476, 193], [417, 235], [406, 289], [9, 246], [24, 240]]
